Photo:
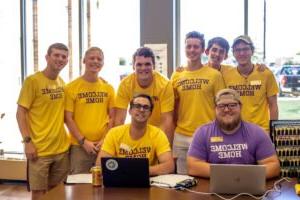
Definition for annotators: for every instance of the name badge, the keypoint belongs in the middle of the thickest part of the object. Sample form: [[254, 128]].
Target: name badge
[[256, 82], [216, 139]]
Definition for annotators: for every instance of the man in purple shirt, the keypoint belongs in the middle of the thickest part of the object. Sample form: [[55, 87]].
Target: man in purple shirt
[[229, 140]]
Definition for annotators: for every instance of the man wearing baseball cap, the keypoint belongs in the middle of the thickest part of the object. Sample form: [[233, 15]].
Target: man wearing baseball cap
[[230, 140], [258, 90]]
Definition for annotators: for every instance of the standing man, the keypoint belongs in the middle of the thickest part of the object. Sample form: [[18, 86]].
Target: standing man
[[88, 112], [145, 80], [230, 140], [258, 90], [195, 88], [40, 117], [139, 139]]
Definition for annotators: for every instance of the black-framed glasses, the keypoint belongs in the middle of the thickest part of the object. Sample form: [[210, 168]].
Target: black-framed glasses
[[239, 50], [230, 106], [140, 106]]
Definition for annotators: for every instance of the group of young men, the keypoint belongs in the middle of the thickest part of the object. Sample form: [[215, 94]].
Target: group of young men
[[190, 119]]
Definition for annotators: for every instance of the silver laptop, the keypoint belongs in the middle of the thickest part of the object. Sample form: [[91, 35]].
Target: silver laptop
[[237, 178]]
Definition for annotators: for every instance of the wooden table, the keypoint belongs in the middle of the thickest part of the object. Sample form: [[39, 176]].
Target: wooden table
[[87, 191]]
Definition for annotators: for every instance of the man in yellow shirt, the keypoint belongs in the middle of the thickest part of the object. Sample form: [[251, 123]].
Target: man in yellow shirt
[[40, 117], [195, 88], [88, 112], [258, 90], [145, 80], [139, 139]]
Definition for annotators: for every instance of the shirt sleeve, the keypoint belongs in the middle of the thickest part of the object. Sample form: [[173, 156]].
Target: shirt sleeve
[[111, 92], [272, 87], [123, 97], [109, 143], [27, 93], [198, 147], [69, 99], [162, 143], [167, 100], [265, 147], [173, 83]]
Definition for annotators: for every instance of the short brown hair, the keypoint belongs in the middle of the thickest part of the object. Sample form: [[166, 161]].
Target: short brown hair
[[59, 46], [93, 49]]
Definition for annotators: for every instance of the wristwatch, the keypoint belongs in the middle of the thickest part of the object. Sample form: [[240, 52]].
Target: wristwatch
[[26, 139], [81, 141]]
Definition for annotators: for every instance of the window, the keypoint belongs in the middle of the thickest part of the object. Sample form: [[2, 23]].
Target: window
[[10, 73]]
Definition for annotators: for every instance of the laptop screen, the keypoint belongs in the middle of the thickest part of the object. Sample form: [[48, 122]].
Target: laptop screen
[[125, 172]]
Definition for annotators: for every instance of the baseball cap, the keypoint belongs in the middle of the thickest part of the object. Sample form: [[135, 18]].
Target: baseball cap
[[227, 94], [244, 38]]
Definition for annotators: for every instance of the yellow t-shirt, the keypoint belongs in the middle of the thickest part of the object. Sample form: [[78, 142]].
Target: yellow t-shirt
[[44, 99], [254, 91], [195, 91], [160, 90], [119, 143], [90, 104], [225, 69]]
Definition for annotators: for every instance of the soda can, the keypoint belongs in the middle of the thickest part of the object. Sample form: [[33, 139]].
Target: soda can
[[96, 175]]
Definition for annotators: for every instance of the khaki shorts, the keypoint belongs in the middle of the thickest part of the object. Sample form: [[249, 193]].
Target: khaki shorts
[[181, 144], [48, 171], [81, 161]]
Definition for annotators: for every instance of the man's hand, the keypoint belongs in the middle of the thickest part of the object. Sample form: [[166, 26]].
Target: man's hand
[[179, 69], [261, 67], [99, 144], [30, 151], [90, 147]]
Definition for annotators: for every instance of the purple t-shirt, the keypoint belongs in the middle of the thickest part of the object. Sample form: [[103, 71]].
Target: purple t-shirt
[[246, 146]]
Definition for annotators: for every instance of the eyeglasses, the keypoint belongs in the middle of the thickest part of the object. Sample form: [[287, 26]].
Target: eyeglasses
[[239, 50], [230, 106], [139, 106]]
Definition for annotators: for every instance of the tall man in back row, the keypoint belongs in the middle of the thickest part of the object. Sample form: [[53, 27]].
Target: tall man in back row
[[258, 90], [40, 118], [145, 80]]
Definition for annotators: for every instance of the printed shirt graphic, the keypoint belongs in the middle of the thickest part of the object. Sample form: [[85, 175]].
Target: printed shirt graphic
[[119, 143], [254, 91], [90, 103], [195, 91], [247, 145], [44, 99], [160, 90]]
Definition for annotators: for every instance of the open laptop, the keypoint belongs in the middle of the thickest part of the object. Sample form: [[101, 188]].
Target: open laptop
[[237, 178], [125, 172]]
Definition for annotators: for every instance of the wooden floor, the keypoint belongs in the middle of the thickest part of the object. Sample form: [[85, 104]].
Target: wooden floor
[[14, 191]]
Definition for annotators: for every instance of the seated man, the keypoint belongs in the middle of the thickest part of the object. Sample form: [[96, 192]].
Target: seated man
[[139, 139], [230, 140]]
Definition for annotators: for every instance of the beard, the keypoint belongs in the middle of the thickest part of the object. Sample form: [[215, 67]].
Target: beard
[[228, 126]]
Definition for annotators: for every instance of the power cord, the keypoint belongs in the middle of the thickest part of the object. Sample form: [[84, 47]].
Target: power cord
[[276, 188]]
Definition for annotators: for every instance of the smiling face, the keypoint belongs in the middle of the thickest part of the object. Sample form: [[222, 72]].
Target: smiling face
[[140, 110], [242, 52], [57, 59], [143, 67], [93, 61], [216, 54], [228, 112], [193, 49]]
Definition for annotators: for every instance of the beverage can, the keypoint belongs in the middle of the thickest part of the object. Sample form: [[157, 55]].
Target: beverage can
[[96, 175]]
